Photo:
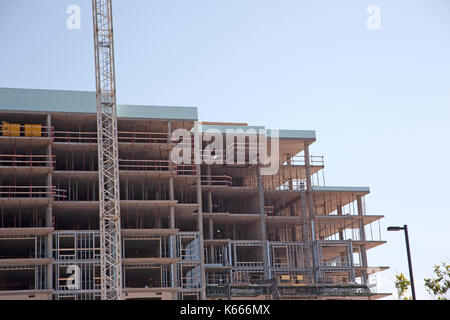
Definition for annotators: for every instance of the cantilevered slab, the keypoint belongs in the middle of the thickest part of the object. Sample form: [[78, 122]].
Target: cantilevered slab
[[369, 270], [148, 232], [358, 190], [232, 217], [150, 290], [369, 244], [140, 261], [66, 175], [185, 208], [286, 196], [216, 266], [41, 142], [21, 171], [24, 202], [25, 294], [26, 262], [379, 295], [62, 206], [25, 231], [216, 241], [147, 203]]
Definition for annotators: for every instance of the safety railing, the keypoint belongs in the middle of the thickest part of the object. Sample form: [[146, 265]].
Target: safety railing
[[75, 136], [249, 264], [217, 279], [225, 181], [269, 210], [157, 166], [143, 137], [314, 161], [32, 192], [123, 137], [185, 170], [16, 160], [145, 165], [280, 262]]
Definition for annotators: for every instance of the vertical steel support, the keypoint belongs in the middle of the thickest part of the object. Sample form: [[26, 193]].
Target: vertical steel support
[[109, 195], [311, 212], [362, 237], [49, 213], [200, 230], [262, 218]]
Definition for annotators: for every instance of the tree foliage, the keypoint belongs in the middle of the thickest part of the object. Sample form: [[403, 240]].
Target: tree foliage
[[439, 285], [402, 285]]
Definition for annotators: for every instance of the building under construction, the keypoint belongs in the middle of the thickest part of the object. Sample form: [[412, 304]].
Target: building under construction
[[188, 231]]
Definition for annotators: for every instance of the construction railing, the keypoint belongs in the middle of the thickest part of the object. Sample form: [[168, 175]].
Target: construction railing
[[185, 170], [75, 136], [249, 264], [16, 160], [232, 150], [314, 161], [32, 192], [144, 165], [157, 165], [269, 210], [143, 137], [123, 137], [224, 181], [217, 279], [280, 262], [242, 276]]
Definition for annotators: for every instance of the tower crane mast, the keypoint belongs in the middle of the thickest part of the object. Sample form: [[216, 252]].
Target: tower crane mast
[[108, 169]]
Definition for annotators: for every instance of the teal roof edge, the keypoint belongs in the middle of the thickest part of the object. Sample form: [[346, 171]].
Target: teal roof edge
[[84, 102]]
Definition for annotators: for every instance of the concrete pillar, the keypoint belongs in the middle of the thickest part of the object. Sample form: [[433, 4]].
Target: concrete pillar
[[208, 178], [173, 237], [289, 163], [172, 208], [211, 228], [210, 207], [339, 212]]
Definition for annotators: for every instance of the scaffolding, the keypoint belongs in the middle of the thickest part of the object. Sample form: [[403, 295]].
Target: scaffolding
[[31, 192]]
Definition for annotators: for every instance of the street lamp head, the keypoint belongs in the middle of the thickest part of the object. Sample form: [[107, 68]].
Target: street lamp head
[[395, 228]]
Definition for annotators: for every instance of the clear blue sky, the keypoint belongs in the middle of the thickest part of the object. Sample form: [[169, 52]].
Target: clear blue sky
[[378, 99]]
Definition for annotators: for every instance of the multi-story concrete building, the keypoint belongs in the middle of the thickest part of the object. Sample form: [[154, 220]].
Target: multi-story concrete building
[[189, 231]]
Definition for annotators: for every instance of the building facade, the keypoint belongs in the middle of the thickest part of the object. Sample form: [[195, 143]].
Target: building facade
[[188, 230]]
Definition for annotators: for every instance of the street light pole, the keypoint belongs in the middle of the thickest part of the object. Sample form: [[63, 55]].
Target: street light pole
[[408, 252], [411, 277]]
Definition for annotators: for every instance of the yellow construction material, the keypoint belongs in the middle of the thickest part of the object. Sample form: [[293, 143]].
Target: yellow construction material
[[10, 129], [33, 130]]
